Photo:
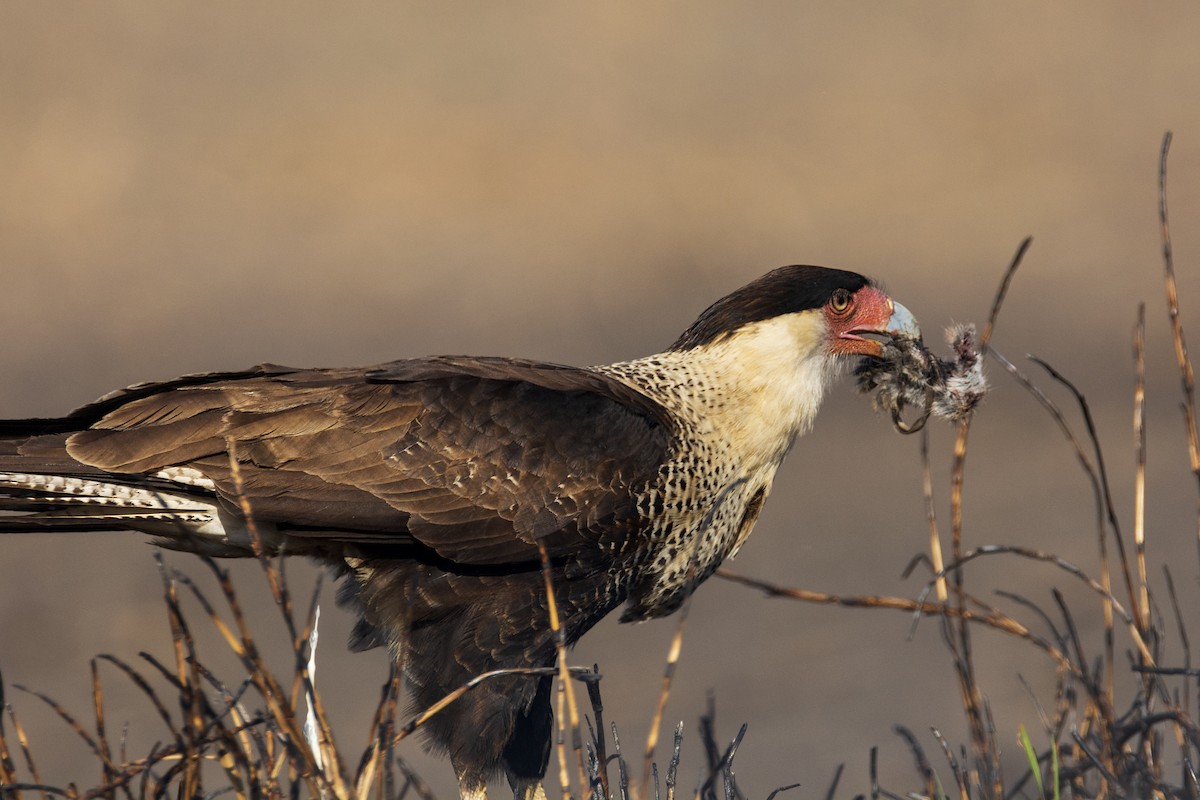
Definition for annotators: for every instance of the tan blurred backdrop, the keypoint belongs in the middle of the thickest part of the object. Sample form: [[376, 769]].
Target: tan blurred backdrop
[[186, 187]]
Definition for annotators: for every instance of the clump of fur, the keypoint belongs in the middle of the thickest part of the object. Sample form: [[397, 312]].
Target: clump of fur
[[907, 375]]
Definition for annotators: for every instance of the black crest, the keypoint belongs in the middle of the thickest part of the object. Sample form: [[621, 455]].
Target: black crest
[[786, 290]]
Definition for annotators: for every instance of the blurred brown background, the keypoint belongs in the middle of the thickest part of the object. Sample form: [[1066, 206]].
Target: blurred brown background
[[188, 187]]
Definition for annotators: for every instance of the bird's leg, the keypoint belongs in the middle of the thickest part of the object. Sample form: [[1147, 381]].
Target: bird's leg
[[528, 789], [471, 787], [528, 749]]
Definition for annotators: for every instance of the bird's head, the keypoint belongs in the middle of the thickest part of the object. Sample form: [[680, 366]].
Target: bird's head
[[844, 313], [770, 349]]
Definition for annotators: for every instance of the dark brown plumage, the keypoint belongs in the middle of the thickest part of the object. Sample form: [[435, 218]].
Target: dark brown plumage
[[428, 483]]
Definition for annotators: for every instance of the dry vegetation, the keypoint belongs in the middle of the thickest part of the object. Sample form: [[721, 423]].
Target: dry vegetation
[[265, 734]]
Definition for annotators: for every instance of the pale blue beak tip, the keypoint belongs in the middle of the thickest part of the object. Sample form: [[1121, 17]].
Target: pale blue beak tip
[[903, 324]]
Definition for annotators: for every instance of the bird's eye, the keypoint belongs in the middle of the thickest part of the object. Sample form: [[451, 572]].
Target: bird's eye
[[841, 301]]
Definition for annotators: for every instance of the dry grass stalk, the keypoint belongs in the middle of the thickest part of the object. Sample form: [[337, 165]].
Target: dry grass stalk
[[661, 706], [565, 686], [935, 539], [329, 781], [1139, 439], [961, 645], [600, 787], [107, 770], [8, 770], [1187, 376]]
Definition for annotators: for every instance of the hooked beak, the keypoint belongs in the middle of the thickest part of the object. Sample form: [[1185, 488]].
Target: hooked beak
[[902, 325]]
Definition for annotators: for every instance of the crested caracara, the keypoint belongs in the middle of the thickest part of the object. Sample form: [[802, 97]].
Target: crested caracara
[[428, 484]]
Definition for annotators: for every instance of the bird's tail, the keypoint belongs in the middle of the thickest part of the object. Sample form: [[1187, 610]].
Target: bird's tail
[[44, 490]]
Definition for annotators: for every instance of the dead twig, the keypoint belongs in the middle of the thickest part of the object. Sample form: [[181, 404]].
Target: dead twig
[[991, 619], [1061, 563]]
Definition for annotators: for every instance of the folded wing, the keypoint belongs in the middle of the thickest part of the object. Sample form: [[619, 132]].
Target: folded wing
[[474, 459]]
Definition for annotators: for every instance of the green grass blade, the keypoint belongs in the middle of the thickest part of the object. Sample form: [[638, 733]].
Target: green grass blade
[[1031, 754]]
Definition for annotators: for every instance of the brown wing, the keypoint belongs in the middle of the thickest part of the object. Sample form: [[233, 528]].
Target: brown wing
[[473, 458]]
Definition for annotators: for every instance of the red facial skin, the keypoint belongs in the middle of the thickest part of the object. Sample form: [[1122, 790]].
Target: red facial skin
[[866, 311]]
